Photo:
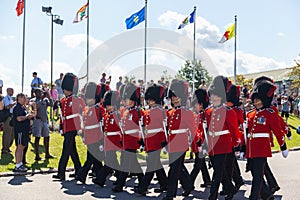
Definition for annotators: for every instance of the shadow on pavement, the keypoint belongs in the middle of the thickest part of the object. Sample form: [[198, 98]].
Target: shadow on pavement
[[19, 180]]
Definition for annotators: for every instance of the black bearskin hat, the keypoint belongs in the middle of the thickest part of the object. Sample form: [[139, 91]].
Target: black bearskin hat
[[179, 88], [112, 98], [70, 83], [233, 95], [262, 78], [220, 86], [201, 97], [132, 92], [90, 90], [263, 90], [155, 92]]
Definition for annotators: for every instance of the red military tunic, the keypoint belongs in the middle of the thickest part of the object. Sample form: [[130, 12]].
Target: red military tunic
[[154, 128], [223, 131], [261, 124], [240, 118], [200, 132], [130, 126], [180, 123], [92, 128], [71, 110], [112, 132]]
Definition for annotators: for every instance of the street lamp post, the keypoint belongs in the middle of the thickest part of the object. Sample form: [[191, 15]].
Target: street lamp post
[[56, 19]]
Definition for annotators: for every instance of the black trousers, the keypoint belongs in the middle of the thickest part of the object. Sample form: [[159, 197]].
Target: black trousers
[[259, 186], [271, 180], [93, 158], [220, 175], [111, 163], [233, 169], [200, 164], [69, 149], [177, 172], [129, 164], [153, 166]]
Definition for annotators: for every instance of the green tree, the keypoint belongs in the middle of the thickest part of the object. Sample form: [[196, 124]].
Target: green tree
[[201, 74], [241, 81], [295, 75]]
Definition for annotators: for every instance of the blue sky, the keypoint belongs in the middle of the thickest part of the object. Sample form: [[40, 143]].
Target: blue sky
[[268, 33]]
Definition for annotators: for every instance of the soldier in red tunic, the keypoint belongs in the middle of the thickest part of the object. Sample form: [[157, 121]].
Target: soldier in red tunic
[[223, 135], [181, 123], [262, 122], [232, 167], [200, 102], [130, 117], [154, 139], [112, 136], [92, 133], [71, 110]]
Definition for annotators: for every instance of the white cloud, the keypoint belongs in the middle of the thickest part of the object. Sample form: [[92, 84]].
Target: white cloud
[[208, 35], [7, 37], [280, 34], [77, 40]]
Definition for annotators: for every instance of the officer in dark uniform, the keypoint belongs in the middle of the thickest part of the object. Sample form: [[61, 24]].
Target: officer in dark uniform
[[71, 110], [200, 102], [154, 139], [112, 136], [92, 132], [130, 117], [180, 122], [223, 134]]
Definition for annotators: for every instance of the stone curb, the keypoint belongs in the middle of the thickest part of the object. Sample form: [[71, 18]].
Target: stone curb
[[70, 169]]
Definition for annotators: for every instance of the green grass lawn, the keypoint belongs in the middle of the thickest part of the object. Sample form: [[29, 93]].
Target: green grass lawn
[[7, 162]]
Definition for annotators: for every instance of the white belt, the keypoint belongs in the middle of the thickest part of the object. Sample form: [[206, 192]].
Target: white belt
[[156, 130], [112, 133], [178, 131], [72, 116], [218, 133], [258, 135], [131, 131], [91, 126]]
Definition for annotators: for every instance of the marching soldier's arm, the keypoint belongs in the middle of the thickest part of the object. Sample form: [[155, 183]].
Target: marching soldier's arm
[[232, 123]]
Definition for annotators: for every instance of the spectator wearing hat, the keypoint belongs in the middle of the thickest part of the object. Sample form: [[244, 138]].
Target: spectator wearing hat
[[35, 83]]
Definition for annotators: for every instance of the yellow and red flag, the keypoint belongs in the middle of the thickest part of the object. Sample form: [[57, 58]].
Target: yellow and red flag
[[229, 33]]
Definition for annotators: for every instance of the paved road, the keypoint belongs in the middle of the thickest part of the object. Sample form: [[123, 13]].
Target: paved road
[[41, 186]]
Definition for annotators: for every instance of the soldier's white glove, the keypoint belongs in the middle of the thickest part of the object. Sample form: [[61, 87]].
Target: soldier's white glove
[[285, 153], [165, 151], [61, 132], [200, 149], [289, 138], [242, 155], [101, 148], [204, 152]]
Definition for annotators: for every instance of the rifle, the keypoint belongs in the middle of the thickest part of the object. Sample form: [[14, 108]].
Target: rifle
[[204, 125]]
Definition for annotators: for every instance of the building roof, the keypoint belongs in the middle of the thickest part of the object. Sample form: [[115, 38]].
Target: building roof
[[276, 74]]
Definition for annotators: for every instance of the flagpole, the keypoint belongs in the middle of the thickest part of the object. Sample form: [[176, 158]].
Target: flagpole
[[87, 41], [235, 33], [145, 50], [194, 49], [23, 46]]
